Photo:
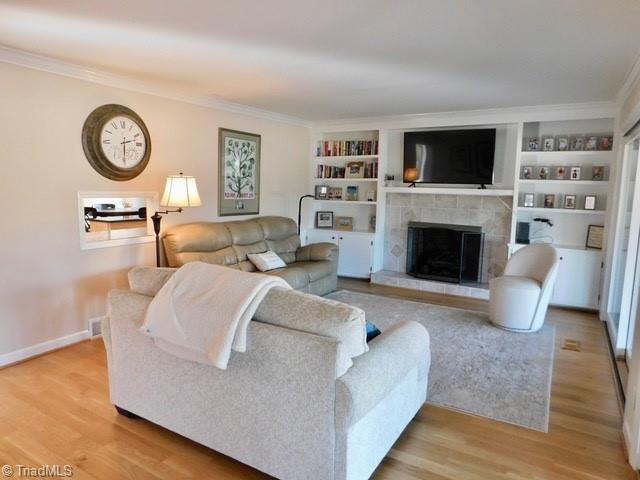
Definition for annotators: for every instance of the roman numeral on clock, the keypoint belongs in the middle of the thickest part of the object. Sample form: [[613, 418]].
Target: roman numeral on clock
[[107, 141], [122, 123], [138, 144], [114, 125]]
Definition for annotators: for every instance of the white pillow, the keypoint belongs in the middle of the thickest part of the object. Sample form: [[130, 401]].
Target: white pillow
[[266, 261]]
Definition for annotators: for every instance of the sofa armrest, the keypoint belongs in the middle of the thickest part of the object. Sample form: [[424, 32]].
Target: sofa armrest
[[392, 355], [316, 252]]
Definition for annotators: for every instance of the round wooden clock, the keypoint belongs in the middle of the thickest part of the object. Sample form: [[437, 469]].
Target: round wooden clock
[[116, 142]]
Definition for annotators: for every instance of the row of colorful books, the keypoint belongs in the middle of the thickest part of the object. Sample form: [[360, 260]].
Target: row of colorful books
[[344, 148], [329, 171], [352, 170]]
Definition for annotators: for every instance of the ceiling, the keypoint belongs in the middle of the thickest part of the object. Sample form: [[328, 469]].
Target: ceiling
[[345, 59]]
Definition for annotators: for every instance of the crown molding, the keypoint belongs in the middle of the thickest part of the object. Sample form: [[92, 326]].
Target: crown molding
[[571, 111], [631, 78], [67, 69]]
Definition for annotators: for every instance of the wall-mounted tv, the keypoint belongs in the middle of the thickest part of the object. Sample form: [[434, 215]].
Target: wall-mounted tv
[[450, 156]]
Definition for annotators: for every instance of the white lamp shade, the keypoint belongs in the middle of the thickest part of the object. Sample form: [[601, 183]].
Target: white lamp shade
[[180, 191]]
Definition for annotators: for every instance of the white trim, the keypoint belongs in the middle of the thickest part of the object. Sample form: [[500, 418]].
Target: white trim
[[630, 79], [40, 348], [59, 67]]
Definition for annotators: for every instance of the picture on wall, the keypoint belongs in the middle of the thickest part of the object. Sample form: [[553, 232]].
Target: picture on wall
[[238, 173]]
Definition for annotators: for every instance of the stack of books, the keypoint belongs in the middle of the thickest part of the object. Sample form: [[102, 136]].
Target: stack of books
[[345, 148], [329, 171]]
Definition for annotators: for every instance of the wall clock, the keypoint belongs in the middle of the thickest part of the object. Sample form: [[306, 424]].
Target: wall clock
[[116, 142]]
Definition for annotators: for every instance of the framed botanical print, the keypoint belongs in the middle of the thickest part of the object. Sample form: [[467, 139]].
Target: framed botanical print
[[238, 173]]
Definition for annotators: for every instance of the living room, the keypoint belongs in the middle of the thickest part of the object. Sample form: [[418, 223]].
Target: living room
[[441, 196]]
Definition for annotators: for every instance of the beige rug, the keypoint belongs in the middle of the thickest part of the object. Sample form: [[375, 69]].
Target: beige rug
[[475, 367]]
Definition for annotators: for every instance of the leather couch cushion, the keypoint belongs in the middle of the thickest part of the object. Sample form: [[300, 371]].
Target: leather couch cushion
[[298, 278], [316, 270]]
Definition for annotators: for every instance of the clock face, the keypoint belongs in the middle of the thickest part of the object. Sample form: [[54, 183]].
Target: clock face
[[123, 142]]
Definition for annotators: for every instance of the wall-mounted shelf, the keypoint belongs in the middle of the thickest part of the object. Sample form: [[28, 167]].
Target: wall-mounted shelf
[[570, 211], [350, 202], [487, 192], [345, 180], [345, 157], [569, 153], [564, 182]]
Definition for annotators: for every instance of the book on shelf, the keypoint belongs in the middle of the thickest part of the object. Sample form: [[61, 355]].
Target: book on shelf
[[331, 171], [345, 148]]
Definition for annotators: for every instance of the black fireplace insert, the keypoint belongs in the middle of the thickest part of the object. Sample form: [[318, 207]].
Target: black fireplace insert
[[446, 253]]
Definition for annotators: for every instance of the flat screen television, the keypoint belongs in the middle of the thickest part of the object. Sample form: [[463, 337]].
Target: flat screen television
[[450, 156]]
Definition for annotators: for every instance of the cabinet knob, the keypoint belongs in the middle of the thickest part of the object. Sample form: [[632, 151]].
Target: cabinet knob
[[561, 258], [341, 238], [333, 238]]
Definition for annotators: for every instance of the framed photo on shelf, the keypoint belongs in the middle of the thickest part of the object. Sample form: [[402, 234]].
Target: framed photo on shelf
[[591, 143], [335, 193], [548, 144], [606, 142], [533, 145], [354, 170], [595, 235], [372, 223], [575, 173], [597, 173], [543, 173], [529, 200], [563, 143], [352, 193], [576, 143], [324, 219], [549, 200], [322, 192], [371, 195], [344, 223], [590, 202], [561, 173], [570, 201], [527, 173]]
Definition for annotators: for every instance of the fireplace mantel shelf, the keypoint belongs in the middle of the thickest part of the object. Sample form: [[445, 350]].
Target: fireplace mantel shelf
[[487, 192]]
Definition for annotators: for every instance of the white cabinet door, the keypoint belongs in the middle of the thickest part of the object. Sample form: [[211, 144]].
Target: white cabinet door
[[319, 236], [356, 252], [578, 281]]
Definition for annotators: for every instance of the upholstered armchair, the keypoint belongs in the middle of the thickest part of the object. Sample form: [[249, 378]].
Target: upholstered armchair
[[520, 298]]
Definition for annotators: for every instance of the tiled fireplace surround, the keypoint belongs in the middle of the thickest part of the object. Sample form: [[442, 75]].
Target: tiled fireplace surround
[[493, 214]]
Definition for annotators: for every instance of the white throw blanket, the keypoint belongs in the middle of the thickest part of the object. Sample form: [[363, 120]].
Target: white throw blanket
[[204, 310]]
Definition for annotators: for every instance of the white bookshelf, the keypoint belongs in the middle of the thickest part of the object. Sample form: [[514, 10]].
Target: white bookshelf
[[563, 211]]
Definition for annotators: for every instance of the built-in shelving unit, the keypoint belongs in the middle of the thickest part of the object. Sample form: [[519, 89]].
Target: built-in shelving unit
[[567, 211], [485, 192]]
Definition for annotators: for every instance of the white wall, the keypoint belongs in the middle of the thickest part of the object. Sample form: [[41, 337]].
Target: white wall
[[49, 288]]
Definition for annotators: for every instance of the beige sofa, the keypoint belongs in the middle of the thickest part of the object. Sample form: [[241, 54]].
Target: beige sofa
[[286, 406], [311, 269]]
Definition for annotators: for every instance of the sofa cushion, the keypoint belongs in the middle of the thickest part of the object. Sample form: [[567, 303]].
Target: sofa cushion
[[312, 314], [199, 241], [149, 280], [281, 236], [296, 277], [315, 270], [266, 261]]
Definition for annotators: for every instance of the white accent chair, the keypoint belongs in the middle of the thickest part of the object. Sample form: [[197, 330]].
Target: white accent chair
[[520, 298]]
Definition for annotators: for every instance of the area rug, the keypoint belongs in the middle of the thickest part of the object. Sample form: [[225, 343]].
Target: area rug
[[475, 367]]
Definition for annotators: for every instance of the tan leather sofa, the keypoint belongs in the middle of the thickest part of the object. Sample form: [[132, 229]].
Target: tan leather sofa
[[312, 268]]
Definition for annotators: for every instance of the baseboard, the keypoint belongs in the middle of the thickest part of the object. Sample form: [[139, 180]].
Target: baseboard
[[44, 347]]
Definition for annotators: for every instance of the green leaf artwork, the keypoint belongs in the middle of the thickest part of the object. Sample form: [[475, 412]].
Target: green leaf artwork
[[239, 161]]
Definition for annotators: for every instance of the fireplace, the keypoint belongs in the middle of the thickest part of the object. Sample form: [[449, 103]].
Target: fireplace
[[446, 253]]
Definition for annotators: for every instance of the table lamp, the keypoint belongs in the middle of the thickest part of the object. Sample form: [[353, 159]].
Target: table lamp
[[180, 192]]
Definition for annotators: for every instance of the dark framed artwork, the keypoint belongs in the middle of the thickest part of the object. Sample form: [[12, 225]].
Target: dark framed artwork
[[595, 236], [238, 173]]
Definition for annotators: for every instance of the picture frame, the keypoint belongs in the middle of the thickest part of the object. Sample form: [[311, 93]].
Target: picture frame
[[590, 202], [549, 200], [354, 170], [543, 173], [548, 144], [561, 173], [344, 223], [335, 193], [372, 223], [322, 192], [529, 200], [239, 156], [533, 145], [575, 173], [562, 142], [352, 193], [570, 202], [371, 195], [595, 237], [597, 173], [591, 143], [324, 219], [527, 173], [576, 143], [606, 142]]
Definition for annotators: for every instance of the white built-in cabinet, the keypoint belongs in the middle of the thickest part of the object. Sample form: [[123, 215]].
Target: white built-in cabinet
[[356, 250]]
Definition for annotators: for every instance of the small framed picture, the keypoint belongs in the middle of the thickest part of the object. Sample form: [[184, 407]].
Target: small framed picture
[[598, 173], [576, 143], [322, 192], [575, 173], [543, 173], [371, 195], [352, 193], [529, 200], [335, 193], [595, 236], [324, 219], [590, 202], [563, 143], [527, 173], [591, 143], [344, 223], [549, 200], [569, 201], [606, 142], [548, 144], [372, 223], [561, 173], [533, 145], [354, 170]]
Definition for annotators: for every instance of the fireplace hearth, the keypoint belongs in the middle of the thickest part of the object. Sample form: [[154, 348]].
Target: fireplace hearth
[[446, 253]]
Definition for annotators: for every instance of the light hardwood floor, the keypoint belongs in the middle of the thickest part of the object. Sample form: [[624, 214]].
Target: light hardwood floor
[[55, 409]]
